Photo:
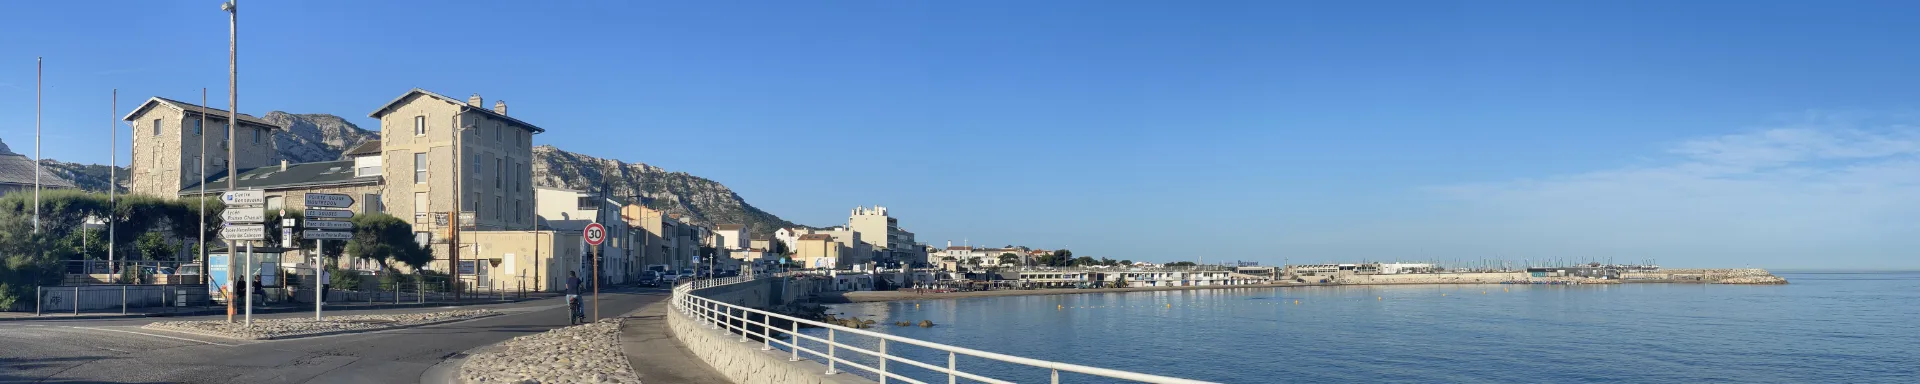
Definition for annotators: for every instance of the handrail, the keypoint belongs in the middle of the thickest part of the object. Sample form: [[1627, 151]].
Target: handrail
[[722, 315]]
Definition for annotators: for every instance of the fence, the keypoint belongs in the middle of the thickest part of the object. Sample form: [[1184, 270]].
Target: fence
[[752, 323], [123, 299]]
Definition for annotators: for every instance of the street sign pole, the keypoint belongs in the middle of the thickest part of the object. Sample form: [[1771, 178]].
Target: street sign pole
[[595, 234], [319, 291], [249, 280], [596, 283]]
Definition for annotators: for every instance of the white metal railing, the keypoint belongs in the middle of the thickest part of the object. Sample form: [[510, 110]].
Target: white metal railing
[[741, 320]]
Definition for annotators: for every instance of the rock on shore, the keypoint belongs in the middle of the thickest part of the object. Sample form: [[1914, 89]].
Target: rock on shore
[[1731, 276], [587, 353]]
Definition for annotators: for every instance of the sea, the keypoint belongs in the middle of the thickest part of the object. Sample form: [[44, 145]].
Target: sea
[[1824, 327]]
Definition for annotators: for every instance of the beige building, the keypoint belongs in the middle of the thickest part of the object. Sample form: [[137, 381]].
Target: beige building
[[570, 210], [820, 251], [883, 235], [166, 145], [444, 155], [535, 260]]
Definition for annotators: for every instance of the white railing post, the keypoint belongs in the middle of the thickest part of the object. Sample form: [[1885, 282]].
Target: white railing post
[[793, 337], [743, 323], [830, 355], [766, 333], [950, 370], [883, 361]]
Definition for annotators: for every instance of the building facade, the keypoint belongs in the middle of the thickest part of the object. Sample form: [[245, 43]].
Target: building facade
[[456, 158], [166, 145]]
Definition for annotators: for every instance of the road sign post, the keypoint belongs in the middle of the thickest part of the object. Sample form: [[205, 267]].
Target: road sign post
[[595, 234]]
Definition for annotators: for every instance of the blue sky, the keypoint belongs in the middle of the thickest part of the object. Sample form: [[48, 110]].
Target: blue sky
[[1769, 133]]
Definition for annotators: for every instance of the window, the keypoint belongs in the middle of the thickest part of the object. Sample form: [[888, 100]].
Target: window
[[419, 167], [256, 135], [497, 134], [196, 165], [419, 206], [196, 126], [156, 127], [585, 203], [476, 166], [419, 125], [370, 203], [422, 238], [516, 211], [499, 207], [274, 202], [499, 173], [519, 141], [476, 203], [367, 171]]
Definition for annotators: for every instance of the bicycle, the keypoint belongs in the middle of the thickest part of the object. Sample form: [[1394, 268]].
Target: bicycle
[[576, 314]]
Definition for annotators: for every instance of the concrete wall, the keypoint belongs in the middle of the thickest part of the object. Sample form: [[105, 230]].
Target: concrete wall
[[744, 362]]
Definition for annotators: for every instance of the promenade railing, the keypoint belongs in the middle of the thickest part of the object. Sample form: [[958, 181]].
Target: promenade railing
[[752, 323]]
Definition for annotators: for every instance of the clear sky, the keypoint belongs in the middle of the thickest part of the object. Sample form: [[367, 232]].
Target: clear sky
[[1767, 133]]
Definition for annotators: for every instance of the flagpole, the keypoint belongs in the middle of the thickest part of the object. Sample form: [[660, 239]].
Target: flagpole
[[40, 72]]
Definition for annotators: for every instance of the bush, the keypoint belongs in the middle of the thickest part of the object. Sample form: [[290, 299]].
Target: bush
[[343, 279], [390, 280]]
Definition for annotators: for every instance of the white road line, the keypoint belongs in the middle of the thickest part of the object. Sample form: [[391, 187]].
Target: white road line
[[154, 335]]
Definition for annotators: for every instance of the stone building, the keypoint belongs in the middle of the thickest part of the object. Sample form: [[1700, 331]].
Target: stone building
[[445, 155], [167, 150]]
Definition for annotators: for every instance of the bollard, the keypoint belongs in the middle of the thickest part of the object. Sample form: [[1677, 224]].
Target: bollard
[[76, 300], [123, 299], [39, 297]]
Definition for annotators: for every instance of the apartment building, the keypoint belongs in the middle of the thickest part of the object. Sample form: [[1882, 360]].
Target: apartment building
[[167, 153], [444, 157], [571, 211]]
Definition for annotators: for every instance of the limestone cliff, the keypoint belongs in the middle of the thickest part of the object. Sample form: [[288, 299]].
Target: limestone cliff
[[314, 137], [703, 201]]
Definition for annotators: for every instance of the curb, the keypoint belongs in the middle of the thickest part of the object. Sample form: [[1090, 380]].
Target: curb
[[262, 310], [298, 335]]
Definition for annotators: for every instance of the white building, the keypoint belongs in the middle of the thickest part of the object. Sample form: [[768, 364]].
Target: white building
[[570, 210]]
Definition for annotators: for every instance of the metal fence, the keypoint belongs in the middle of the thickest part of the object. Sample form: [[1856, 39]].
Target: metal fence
[[122, 299], [776, 330]]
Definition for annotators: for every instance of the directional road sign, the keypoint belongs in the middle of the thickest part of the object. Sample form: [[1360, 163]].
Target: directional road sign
[[329, 224], [329, 214], [244, 198], [244, 232], [325, 235], [328, 200], [244, 214], [595, 233]]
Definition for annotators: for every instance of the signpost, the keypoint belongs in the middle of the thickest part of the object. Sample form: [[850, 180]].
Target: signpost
[[328, 200], [244, 215], [595, 234], [329, 214], [328, 224], [325, 235], [244, 232], [319, 221], [244, 207]]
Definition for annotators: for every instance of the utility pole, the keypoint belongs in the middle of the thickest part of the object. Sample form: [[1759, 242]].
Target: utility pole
[[113, 182], [202, 131], [233, 119], [40, 70]]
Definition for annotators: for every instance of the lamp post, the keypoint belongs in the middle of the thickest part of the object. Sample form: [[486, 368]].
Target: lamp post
[[233, 119]]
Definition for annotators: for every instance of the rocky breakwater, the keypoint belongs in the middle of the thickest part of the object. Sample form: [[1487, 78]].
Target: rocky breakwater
[[587, 353], [268, 329], [1729, 276]]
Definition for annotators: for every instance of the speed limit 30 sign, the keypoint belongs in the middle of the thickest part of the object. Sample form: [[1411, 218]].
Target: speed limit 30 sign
[[595, 234]]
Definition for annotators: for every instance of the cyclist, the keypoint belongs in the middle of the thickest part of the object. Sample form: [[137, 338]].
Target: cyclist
[[573, 295]]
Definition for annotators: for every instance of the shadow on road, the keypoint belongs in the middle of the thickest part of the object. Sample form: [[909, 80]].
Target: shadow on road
[[15, 367]]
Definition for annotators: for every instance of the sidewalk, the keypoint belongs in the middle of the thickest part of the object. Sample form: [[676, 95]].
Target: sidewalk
[[261, 309], [656, 356]]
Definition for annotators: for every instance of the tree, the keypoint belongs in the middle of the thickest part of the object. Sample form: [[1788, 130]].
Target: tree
[[948, 259], [1009, 259], [387, 239], [1085, 261], [1181, 264], [1126, 262], [154, 246], [1061, 258], [1106, 261]]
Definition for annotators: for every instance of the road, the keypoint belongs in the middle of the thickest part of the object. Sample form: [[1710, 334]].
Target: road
[[119, 351]]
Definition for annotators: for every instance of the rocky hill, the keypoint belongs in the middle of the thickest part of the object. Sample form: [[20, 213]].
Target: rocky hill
[[315, 137], [703, 201], [91, 177]]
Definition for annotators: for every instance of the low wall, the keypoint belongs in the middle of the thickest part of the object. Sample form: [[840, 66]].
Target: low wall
[[744, 362], [104, 297], [1437, 278]]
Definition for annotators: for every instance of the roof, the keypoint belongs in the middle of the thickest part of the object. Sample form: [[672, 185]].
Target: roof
[[338, 172], [959, 248], [369, 147], [212, 113], [730, 227], [18, 169], [816, 236], [463, 106]]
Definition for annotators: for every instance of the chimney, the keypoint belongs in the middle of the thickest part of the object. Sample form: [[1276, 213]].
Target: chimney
[[475, 101], [500, 107], [283, 165]]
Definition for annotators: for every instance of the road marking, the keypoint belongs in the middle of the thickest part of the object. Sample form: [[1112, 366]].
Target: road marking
[[159, 336]]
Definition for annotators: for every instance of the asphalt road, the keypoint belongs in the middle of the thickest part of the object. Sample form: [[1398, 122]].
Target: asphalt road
[[119, 351]]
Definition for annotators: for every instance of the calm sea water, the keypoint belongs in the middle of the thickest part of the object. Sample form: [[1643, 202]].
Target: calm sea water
[[1823, 328]]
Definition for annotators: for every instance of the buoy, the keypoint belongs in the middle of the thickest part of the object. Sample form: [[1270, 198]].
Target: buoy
[[1169, 305], [1059, 307], [1296, 302], [916, 305], [1379, 298], [1443, 294]]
